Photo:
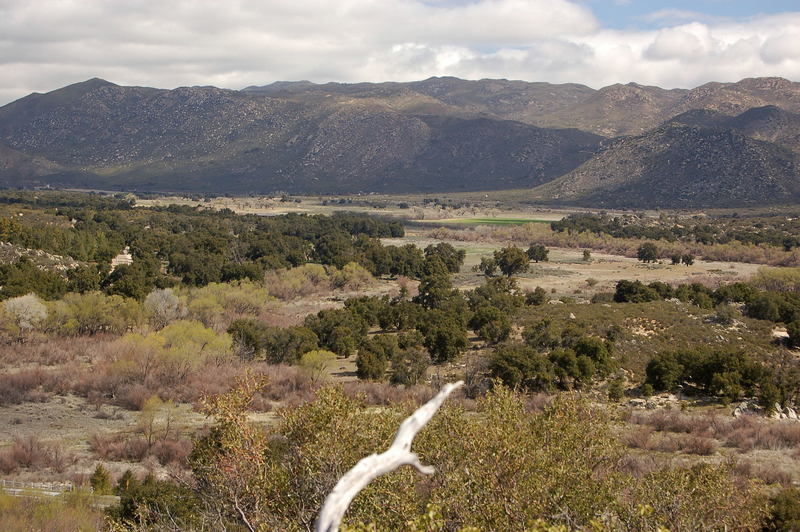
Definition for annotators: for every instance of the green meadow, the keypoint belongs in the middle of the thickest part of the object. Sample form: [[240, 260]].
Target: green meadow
[[489, 221]]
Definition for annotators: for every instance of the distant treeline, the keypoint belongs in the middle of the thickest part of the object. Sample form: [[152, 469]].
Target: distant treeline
[[773, 231], [181, 244]]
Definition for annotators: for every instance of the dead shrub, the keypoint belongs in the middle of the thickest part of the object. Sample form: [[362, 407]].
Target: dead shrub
[[133, 396], [7, 464], [538, 402], [30, 453], [638, 465], [699, 445], [749, 434], [16, 388], [120, 447], [673, 421], [667, 443], [171, 451], [381, 393], [286, 382], [771, 475], [639, 438]]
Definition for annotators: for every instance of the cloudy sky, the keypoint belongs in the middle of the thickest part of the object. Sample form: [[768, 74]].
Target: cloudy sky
[[45, 44]]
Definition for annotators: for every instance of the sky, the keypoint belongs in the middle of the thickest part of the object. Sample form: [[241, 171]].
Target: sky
[[46, 44]]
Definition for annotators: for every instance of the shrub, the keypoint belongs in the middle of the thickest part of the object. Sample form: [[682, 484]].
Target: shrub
[[634, 292], [93, 313], [647, 252], [351, 277], [100, 480], [491, 324], [506, 453], [74, 511], [316, 363], [27, 311], [784, 511], [371, 365], [409, 365], [30, 453], [537, 297], [163, 307]]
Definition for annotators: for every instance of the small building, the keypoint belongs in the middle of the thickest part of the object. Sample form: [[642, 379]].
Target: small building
[[123, 258]]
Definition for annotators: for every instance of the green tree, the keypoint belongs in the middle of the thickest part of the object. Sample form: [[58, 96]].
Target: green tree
[[634, 292], [409, 365], [794, 333], [536, 298], [616, 388], [83, 279], [784, 511], [100, 480], [126, 483], [542, 335], [491, 324], [450, 256], [24, 277], [488, 266], [518, 365], [500, 292], [647, 252], [445, 336], [664, 372], [436, 288], [371, 366], [511, 260], [538, 253]]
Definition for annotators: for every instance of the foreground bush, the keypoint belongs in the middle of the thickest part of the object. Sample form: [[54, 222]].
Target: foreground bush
[[69, 512], [503, 468]]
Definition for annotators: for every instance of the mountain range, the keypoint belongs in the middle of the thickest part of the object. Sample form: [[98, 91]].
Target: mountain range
[[720, 144]]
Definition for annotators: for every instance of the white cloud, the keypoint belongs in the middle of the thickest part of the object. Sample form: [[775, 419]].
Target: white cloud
[[666, 17], [45, 44]]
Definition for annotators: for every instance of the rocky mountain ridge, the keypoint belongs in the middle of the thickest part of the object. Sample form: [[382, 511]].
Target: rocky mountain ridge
[[573, 142]]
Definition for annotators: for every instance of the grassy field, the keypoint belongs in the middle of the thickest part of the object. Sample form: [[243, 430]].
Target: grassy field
[[488, 221]]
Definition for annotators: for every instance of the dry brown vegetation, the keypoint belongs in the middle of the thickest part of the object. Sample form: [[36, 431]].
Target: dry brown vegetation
[[627, 247], [32, 454], [759, 448], [73, 512]]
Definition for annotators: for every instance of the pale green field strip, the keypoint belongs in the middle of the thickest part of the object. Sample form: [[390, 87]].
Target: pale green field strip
[[486, 221]]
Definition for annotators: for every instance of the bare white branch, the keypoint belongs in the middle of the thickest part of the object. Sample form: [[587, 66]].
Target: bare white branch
[[375, 465]]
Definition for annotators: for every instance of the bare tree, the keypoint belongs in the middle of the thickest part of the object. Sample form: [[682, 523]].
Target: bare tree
[[27, 311], [375, 465], [163, 306]]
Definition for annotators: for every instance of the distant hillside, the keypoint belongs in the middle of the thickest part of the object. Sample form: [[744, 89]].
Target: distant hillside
[[677, 166], [610, 111], [207, 139], [769, 123], [435, 135]]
